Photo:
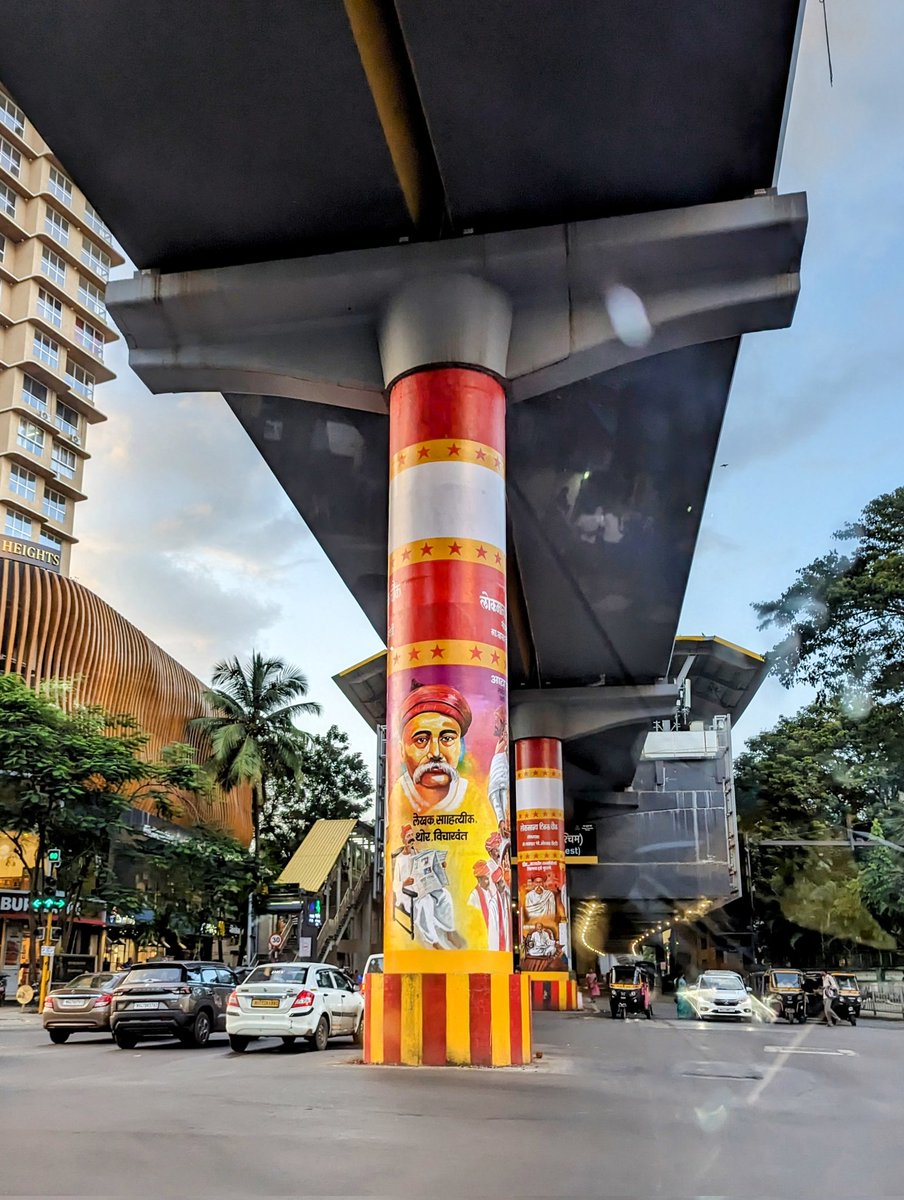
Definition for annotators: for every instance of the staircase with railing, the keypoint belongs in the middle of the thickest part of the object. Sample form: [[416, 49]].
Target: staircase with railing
[[335, 927]]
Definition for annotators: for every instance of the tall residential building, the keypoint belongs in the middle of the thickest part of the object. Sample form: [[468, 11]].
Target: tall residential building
[[55, 258]]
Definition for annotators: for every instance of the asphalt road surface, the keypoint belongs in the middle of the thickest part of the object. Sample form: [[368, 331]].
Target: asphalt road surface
[[630, 1108]]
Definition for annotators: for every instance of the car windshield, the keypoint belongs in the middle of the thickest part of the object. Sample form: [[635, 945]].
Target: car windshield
[[722, 983], [786, 978], [156, 975], [83, 981], [278, 973], [846, 981], [375, 966]]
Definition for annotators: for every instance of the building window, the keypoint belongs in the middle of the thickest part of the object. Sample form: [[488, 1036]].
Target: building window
[[53, 266], [2, 247], [35, 395], [60, 186], [10, 158], [23, 483], [50, 309], [80, 380], [49, 539], [18, 525], [54, 506], [94, 257], [92, 219], [64, 461], [46, 350], [7, 201], [30, 437], [92, 297], [11, 116], [56, 226], [90, 338], [66, 419]]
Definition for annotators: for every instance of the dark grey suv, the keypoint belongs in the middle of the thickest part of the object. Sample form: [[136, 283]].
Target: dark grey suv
[[168, 997]]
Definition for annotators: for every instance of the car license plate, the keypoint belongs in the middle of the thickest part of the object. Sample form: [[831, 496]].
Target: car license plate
[[258, 1002], [146, 1004], [72, 1003]]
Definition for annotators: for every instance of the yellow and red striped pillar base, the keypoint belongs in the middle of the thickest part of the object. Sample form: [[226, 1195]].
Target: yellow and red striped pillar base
[[476, 1020], [449, 994], [544, 932]]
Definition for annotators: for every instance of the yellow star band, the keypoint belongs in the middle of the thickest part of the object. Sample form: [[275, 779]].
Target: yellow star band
[[443, 549], [447, 450], [538, 773], [443, 652]]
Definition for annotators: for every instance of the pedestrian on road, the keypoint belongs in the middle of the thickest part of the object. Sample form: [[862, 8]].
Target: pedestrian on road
[[593, 987], [829, 995]]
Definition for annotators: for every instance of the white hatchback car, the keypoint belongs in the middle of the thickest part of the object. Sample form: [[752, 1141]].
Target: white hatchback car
[[292, 1000]]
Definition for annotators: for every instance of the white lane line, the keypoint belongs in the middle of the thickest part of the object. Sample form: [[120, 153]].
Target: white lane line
[[806, 1050]]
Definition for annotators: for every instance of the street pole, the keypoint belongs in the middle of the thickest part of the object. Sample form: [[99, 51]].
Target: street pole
[[46, 961]]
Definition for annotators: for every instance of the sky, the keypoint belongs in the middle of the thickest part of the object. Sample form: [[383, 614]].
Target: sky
[[190, 537]]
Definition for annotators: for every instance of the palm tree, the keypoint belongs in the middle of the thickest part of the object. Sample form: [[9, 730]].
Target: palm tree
[[252, 731]]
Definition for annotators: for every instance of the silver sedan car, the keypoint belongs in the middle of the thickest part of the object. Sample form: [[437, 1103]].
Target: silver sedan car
[[82, 1006]]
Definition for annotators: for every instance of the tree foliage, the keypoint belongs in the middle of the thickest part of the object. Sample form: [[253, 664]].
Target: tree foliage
[[334, 782], [66, 780], [844, 613], [252, 732], [196, 886]]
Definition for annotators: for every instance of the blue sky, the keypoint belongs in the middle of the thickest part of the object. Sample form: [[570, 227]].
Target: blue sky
[[190, 537]]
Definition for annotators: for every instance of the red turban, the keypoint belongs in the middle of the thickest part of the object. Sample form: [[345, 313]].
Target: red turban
[[406, 829], [494, 841], [438, 698], [481, 868]]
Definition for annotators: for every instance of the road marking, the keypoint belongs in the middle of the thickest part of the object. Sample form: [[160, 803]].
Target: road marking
[[804, 1050]]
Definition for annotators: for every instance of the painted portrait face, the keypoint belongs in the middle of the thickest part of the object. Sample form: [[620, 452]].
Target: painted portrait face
[[431, 748]]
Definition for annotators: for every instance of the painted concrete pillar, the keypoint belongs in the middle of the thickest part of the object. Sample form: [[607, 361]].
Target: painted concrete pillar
[[448, 993], [544, 933]]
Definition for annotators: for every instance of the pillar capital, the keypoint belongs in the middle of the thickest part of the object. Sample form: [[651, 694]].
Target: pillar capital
[[442, 320]]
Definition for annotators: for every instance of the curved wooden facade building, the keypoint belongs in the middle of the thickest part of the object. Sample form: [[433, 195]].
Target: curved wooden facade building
[[53, 628]]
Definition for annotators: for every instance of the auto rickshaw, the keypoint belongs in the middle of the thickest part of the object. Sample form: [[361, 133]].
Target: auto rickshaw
[[846, 1004], [781, 990], [631, 989]]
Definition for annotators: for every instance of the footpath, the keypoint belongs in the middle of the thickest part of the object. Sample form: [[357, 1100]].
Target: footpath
[[13, 1014]]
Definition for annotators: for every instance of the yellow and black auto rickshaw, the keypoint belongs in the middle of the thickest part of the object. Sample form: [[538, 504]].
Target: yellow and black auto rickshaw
[[781, 990], [631, 989]]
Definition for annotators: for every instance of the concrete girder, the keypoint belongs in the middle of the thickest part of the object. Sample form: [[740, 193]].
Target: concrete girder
[[310, 328], [570, 713]]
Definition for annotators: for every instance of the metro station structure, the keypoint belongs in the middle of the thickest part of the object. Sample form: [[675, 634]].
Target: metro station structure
[[473, 277]]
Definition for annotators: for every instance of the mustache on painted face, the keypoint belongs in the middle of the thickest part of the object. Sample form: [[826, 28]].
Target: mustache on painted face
[[433, 766]]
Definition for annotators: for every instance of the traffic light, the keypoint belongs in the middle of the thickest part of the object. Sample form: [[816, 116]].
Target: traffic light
[[48, 903], [55, 857]]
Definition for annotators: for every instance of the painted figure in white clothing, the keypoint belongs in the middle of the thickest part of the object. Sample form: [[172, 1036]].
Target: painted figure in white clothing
[[432, 914]]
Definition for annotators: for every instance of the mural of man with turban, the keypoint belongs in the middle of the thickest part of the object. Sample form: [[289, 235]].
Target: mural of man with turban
[[433, 721]]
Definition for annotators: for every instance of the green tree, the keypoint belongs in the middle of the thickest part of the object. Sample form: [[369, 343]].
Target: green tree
[[198, 883], [65, 782], [253, 736], [334, 782], [844, 614], [804, 780]]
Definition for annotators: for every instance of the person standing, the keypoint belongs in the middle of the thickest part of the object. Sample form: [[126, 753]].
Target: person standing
[[829, 995], [593, 987]]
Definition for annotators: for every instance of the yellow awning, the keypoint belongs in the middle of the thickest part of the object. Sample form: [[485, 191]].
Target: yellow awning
[[310, 865]]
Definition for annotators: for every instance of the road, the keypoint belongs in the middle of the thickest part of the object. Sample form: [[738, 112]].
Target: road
[[611, 1109]]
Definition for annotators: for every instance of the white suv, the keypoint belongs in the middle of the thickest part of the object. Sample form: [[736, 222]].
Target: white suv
[[316, 1001], [720, 994]]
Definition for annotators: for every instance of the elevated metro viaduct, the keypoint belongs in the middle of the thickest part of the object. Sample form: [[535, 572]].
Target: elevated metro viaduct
[[511, 254]]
